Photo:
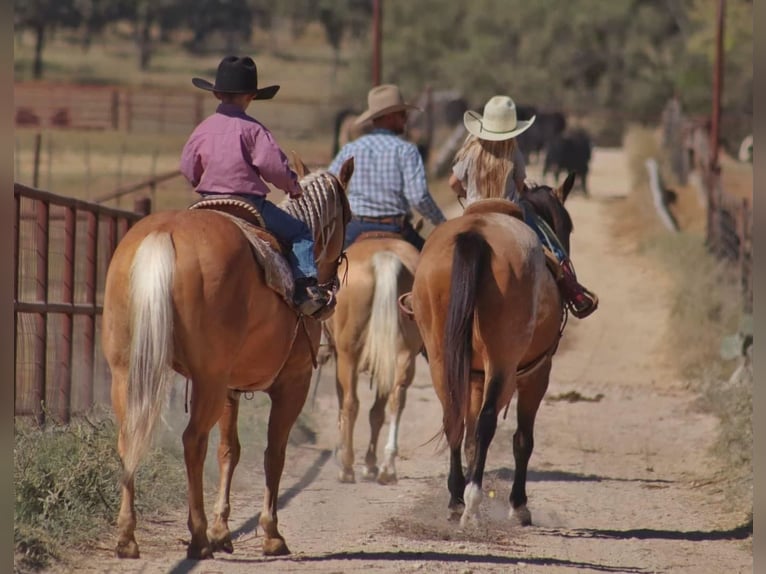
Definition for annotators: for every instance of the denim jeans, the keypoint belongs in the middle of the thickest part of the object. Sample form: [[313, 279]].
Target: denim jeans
[[287, 229], [356, 228]]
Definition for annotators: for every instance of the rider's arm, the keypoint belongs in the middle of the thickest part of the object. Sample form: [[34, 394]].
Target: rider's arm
[[191, 162], [271, 162], [416, 186], [456, 185]]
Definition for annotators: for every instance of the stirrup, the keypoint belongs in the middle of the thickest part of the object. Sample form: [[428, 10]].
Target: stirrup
[[585, 312]]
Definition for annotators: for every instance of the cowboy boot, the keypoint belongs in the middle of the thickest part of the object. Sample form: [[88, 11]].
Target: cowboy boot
[[580, 301], [309, 297]]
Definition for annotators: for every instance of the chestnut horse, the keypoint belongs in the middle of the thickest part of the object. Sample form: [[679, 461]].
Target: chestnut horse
[[368, 333], [184, 292], [490, 314]]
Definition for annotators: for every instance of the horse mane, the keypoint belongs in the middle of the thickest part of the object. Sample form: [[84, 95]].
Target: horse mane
[[317, 206], [543, 201]]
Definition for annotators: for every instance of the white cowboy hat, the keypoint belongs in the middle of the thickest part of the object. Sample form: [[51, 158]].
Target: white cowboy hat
[[498, 122], [382, 100]]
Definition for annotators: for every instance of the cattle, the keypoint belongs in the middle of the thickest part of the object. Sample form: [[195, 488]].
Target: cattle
[[569, 152], [547, 126]]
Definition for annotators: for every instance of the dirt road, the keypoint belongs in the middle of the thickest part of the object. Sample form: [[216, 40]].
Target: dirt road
[[620, 480]]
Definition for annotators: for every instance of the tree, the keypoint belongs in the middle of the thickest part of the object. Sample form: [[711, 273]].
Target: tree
[[42, 16]]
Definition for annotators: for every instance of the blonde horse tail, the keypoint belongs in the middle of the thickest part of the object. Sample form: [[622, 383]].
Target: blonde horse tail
[[151, 349], [471, 257], [380, 347]]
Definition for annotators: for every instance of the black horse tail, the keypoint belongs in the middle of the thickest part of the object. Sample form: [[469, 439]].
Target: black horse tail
[[471, 257]]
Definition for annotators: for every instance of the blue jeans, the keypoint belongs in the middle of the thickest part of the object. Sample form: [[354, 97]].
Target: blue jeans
[[356, 228], [287, 229]]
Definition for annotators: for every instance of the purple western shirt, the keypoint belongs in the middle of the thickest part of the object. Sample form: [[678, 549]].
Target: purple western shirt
[[231, 152]]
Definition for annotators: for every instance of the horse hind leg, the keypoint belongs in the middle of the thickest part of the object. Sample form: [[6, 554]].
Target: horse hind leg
[[207, 405], [404, 375], [377, 418], [127, 547], [530, 395], [229, 449], [485, 432]]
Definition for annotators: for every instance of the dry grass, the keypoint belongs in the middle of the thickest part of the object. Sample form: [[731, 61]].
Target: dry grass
[[706, 307]]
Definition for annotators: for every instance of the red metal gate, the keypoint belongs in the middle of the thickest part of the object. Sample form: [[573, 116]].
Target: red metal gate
[[62, 247]]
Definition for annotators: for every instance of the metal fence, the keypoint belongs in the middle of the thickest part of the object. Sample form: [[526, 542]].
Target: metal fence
[[152, 110], [729, 217], [62, 247]]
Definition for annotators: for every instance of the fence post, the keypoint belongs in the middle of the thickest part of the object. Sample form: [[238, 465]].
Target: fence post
[[65, 374], [142, 205], [198, 108], [115, 109], [41, 320], [36, 169], [16, 273], [89, 343]]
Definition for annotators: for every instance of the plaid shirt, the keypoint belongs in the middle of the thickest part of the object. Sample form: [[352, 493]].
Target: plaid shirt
[[388, 179]]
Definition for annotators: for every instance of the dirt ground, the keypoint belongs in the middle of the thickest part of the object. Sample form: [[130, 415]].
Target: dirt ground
[[621, 479]]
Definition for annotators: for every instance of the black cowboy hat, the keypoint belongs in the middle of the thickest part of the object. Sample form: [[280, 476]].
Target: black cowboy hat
[[237, 76]]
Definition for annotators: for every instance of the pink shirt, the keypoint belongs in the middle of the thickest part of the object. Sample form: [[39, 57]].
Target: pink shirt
[[230, 152]]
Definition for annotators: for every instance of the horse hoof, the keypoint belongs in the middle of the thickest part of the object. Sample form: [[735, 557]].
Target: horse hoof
[[455, 512], [127, 549], [224, 544], [275, 547], [386, 477], [521, 516], [370, 473], [197, 553], [467, 520], [346, 476]]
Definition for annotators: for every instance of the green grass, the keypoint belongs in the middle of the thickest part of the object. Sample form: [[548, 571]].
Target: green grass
[[67, 487]]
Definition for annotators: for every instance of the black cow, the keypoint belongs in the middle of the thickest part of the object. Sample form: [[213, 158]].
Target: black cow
[[547, 126], [569, 152]]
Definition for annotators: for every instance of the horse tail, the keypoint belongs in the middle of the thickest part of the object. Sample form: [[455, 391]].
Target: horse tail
[[380, 347], [151, 348], [469, 260]]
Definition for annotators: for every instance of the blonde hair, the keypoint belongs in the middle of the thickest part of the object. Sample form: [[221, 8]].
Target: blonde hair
[[489, 164]]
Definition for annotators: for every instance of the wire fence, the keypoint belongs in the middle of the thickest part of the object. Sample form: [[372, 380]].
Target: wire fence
[[729, 216], [62, 247]]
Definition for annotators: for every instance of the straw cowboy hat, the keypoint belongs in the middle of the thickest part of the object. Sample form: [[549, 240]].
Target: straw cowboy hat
[[382, 100], [499, 121], [237, 76]]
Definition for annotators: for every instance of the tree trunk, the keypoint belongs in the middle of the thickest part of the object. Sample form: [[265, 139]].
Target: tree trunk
[[39, 43], [145, 44]]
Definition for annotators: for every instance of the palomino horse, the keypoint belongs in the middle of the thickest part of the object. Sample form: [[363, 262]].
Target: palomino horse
[[490, 315], [184, 293], [368, 333]]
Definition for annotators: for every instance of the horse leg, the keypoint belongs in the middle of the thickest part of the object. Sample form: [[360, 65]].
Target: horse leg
[[405, 372], [207, 406], [228, 456], [456, 484], [348, 400], [485, 432], [474, 409], [287, 401], [127, 547], [531, 393], [377, 418]]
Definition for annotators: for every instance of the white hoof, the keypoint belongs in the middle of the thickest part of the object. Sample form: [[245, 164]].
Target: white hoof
[[472, 496]]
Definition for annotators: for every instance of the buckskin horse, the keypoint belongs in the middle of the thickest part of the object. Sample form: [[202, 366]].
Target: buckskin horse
[[491, 316], [185, 293], [368, 333]]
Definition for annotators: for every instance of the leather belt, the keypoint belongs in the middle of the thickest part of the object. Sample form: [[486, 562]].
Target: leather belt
[[386, 219]]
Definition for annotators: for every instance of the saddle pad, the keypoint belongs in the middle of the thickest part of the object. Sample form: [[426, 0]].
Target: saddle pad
[[279, 276], [495, 205]]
